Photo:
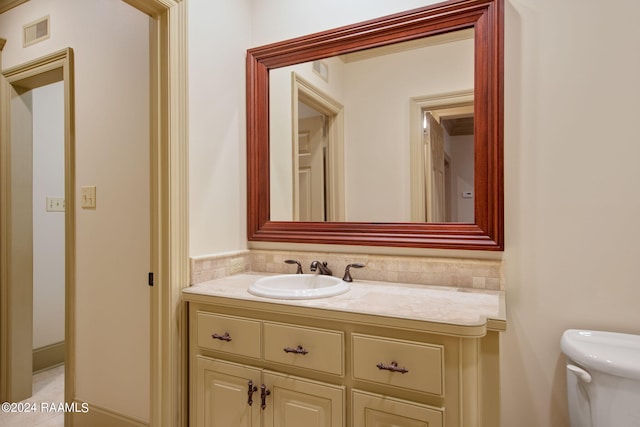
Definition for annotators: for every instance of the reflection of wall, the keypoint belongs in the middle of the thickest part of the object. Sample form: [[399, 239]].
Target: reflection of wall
[[280, 113], [377, 93], [280, 139], [48, 227], [460, 151]]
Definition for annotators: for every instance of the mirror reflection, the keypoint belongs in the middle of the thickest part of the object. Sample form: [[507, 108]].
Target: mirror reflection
[[380, 135]]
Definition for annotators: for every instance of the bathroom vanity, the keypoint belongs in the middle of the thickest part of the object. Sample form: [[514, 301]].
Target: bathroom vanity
[[379, 354]]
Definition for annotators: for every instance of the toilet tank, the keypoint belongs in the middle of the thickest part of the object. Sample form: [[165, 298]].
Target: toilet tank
[[603, 378]]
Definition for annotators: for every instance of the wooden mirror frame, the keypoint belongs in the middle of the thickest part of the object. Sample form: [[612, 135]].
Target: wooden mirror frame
[[486, 17]]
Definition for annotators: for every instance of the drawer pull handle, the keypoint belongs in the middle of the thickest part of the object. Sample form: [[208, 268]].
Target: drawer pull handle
[[226, 337], [393, 367], [298, 350], [250, 391], [263, 395]]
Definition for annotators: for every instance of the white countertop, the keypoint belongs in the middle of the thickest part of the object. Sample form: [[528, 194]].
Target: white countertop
[[438, 304]]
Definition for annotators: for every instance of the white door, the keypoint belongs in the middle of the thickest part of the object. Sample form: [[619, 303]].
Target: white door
[[311, 166], [435, 171]]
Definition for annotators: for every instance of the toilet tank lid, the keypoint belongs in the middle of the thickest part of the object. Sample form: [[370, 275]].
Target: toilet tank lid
[[610, 352]]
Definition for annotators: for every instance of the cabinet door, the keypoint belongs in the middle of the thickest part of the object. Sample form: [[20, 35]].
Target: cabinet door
[[222, 398], [297, 402], [372, 410]]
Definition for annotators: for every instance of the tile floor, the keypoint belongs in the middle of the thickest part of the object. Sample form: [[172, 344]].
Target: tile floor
[[48, 387]]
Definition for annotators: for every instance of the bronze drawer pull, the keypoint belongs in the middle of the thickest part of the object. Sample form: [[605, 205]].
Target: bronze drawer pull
[[393, 367], [298, 350], [226, 337], [251, 389], [263, 395]]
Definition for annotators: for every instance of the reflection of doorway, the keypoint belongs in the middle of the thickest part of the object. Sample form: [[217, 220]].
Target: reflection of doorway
[[312, 164], [442, 171], [318, 154], [448, 160]]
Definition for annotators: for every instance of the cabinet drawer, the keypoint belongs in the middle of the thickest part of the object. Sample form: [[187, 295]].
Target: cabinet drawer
[[374, 410], [235, 335], [383, 360], [309, 348]]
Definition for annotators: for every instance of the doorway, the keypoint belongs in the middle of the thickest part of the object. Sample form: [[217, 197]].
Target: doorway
[[19, 226], [169, 216], [318, 154], [443, 193]]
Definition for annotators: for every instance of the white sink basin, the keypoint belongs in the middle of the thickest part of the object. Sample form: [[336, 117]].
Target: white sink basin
[[298, 286]]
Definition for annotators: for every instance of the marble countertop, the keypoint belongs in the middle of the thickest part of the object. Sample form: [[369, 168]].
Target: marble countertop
[[461, 307]]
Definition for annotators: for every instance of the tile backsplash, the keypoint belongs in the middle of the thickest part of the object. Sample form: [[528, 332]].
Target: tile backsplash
[[458, 272]]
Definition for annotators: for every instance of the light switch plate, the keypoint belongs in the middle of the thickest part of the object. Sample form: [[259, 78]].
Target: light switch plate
[[88, 195], [55, 204]]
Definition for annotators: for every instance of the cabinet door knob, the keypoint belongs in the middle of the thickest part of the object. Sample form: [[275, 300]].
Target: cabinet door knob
[[251, 389], [263, 395], [298, 350], [393, 367], [226, 337]]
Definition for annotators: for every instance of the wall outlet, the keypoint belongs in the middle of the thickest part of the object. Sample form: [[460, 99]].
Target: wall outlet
[[55, 204], [236, 265]]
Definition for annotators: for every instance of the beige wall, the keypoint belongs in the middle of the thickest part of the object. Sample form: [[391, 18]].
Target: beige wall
[[572, 100], [110, 40]]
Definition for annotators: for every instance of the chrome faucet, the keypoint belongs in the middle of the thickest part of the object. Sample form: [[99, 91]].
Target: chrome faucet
[[321, 267]]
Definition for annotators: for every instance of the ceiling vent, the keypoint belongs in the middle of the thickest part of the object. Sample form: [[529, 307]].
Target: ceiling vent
[[36, 31]]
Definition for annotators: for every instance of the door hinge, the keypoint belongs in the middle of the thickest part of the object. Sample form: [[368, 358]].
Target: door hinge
[[150, 279]]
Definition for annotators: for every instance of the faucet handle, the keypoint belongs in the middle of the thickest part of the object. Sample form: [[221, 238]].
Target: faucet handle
[[347, 273], [293, 261]]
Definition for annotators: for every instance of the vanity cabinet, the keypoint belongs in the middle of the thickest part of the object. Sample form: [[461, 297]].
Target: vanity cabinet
[[253, 363], [231, 394]]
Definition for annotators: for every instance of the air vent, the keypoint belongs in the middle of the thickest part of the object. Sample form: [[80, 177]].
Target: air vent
[[36, 31], [321, 69]]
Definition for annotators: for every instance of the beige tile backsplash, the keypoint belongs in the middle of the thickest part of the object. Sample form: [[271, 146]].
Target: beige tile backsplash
[[458, 272]]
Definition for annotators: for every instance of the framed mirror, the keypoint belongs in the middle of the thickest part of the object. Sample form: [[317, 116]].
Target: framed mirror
[[374, 94]]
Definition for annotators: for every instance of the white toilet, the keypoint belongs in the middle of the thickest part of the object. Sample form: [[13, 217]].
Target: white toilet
[[603, 378]]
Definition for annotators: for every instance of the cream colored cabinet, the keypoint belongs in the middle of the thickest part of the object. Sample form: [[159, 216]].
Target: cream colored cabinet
[[296, 402], [231, 394], [222, 395], [373, 410], [270, 365]]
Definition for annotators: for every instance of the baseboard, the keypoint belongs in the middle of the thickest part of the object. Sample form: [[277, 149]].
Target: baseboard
[[49, 356], [100, 417]]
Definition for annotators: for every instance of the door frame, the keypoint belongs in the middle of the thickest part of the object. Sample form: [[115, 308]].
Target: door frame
[[169, 209], [443, 101], [169, 217], [49, 69], [304, 91]]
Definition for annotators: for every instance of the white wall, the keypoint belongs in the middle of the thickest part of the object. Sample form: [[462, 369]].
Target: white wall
[[111, 45], [218, 40], [48, 227]]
